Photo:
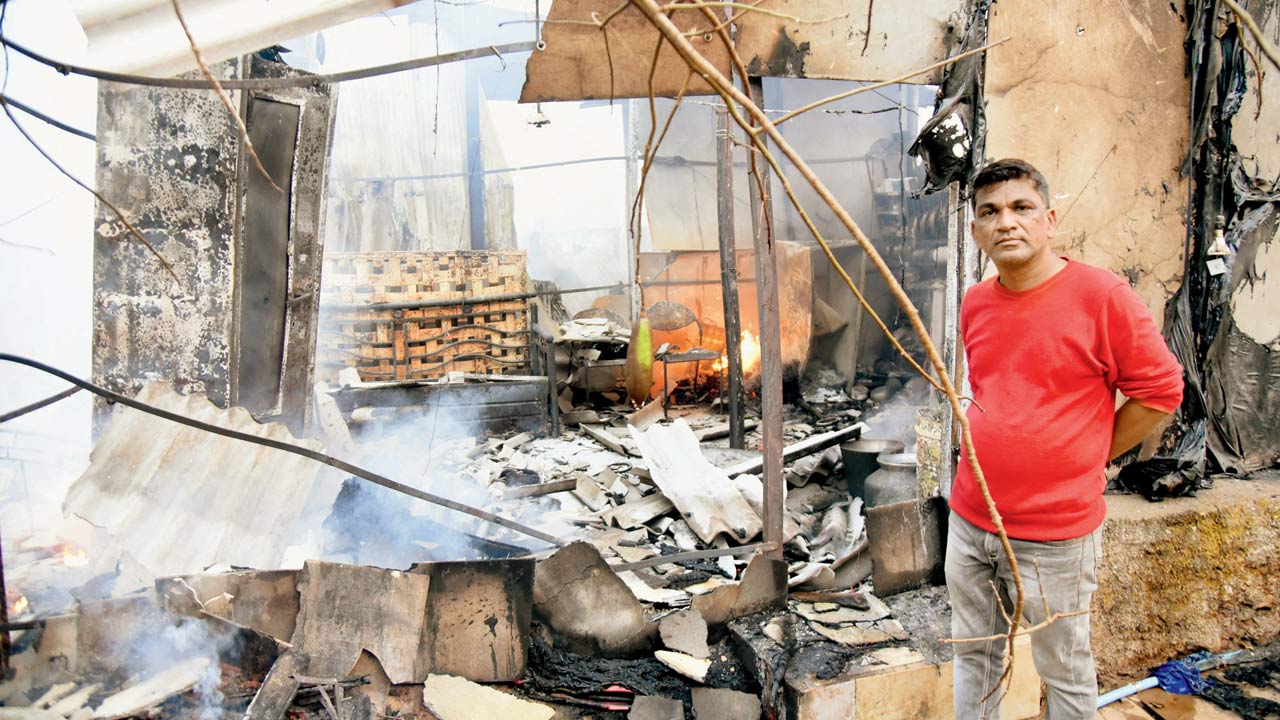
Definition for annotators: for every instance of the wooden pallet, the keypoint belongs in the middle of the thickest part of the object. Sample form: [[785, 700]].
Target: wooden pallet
[[425, 343]]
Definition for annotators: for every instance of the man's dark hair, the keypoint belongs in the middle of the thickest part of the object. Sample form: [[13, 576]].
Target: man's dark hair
[[998, 171]]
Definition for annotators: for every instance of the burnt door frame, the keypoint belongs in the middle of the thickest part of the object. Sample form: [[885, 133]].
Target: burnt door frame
[[306, 188]]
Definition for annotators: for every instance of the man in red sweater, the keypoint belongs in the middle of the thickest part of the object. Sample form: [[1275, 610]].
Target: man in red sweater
[[1049, 342]]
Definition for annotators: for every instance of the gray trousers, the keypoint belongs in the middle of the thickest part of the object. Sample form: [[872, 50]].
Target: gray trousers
[[1066, 577]]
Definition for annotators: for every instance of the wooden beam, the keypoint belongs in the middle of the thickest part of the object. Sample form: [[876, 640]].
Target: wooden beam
[[770, 351], [729, 274]]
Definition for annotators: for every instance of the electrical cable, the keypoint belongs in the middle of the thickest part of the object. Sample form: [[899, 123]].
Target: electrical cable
[[320, 457], [272, 83], [6, 100]]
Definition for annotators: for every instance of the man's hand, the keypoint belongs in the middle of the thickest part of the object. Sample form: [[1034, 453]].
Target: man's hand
[[1134, 422]]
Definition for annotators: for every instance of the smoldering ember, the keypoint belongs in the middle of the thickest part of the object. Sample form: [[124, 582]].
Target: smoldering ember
[[595, 359]]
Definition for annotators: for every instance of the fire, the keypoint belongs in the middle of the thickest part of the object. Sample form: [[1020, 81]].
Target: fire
[[750, 353], [19, 606], [750, 348], [74, 557]]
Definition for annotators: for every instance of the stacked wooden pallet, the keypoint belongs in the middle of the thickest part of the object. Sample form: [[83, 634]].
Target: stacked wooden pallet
[[420, 315]]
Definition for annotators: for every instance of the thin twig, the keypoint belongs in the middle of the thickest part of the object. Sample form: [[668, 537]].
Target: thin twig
[[866, 40], [128, 225], [894, 81], [722, 86], [1254, 30], [222, 95]]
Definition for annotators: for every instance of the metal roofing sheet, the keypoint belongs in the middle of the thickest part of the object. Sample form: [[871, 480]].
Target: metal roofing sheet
[[178, 500], [144, 37]]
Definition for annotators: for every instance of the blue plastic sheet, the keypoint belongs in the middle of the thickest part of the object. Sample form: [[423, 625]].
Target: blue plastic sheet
[[1181, 678]]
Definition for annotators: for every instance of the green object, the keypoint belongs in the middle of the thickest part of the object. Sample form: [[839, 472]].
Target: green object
[[639, 367]]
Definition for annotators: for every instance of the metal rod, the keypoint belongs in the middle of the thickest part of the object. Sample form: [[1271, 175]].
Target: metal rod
[[770, 351], [6, 627], [276, 83], [729, 275], [692, 555], [449, 302], [12, 414], [287, 447]]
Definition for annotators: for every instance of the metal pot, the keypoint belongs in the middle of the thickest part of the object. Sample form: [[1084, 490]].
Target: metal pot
[[860, 461]]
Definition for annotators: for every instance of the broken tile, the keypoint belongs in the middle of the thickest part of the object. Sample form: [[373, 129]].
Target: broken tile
[[855, 634], [633, 554], [685, 632], [687, 665], [266, 601], [841, 615], [702, 493], [645, 592], [586, 604], [455, 698], [763, 587], [345, 609], [722, 704], [634, 514], [650, 707], [590, 493], [684, 536]]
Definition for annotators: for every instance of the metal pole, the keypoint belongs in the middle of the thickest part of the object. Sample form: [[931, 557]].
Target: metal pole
[[729, 274], [770, 352]]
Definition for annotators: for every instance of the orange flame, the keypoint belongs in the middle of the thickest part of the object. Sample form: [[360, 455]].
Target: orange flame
[[74, 557], [750, 348], [19, 606]]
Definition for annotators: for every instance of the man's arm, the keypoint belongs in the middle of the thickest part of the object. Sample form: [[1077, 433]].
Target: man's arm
[[1134, 422]]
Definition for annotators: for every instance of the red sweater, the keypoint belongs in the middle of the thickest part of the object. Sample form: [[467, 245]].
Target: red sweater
[[1044, 365]]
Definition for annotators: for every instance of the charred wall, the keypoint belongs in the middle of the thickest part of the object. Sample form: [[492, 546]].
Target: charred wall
[[172, 161]]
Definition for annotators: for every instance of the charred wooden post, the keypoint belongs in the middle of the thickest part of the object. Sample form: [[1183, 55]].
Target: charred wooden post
[[729, 274], [770, 351], [279, 687]]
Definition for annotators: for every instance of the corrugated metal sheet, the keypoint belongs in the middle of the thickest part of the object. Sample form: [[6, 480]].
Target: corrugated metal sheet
[[144, 37], [178, 500]]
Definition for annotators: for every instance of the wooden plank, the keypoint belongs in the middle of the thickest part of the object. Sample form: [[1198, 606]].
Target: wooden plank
[[278, 688], [729, 274], [770, 352], [808, 446]]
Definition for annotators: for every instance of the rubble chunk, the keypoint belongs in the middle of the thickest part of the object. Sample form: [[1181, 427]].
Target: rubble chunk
[[649, 707], [454, 698], [691, 667], [723, 704], [685, 632], [763, 587], [585, 603]]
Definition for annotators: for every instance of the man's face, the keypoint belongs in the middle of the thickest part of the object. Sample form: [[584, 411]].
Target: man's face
[[1012, 225]]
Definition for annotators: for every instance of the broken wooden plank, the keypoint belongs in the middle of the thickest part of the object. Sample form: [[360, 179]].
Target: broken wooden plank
[[715, 432], [702, 493], [808, 446], [278, 688], [540, 489], [692, 555], [154, 690]]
